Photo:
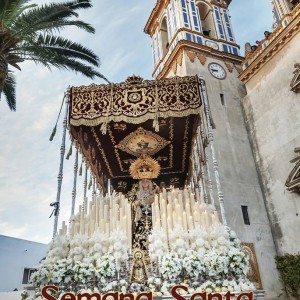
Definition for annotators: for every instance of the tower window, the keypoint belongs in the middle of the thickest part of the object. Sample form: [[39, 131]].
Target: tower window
[[245, 215], [222, 99], [206, 19], [164, 35]]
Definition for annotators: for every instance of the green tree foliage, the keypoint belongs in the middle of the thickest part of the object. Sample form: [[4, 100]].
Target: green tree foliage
[[31, 32], [289, 268]]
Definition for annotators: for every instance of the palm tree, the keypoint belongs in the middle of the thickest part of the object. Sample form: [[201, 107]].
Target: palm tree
[[27, 32]]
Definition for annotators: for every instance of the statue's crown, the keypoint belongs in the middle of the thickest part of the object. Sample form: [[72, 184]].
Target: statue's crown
[[144, 167]]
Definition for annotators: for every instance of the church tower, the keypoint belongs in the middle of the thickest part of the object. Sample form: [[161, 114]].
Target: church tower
[[281, 11], [191, 37]]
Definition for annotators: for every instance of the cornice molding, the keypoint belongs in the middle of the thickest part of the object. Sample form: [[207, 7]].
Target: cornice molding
[[153, 19], [282, 38], [200, 50], [198, 33]]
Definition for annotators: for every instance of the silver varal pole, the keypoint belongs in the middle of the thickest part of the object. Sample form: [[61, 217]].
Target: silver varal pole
[[74, 183], [61, 166], [212, 147]]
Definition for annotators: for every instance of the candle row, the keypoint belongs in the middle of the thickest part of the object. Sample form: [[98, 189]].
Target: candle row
[[101, 214], [181, 208]]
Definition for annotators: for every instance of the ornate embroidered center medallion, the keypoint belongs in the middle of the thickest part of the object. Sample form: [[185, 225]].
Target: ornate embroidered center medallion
[[142, 141]]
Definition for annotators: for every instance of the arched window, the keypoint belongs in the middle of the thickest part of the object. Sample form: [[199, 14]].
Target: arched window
[[206, 19], [164, 35]]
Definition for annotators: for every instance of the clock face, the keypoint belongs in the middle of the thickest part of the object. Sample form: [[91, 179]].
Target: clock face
[[217, 71]]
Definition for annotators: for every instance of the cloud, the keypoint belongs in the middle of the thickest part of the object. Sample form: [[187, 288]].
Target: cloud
[[11, 230]]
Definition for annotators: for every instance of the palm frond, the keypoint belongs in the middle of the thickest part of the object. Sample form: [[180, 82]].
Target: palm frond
[[47, 18], [49, 46], [9, 90], [77, 4], [9, 7], [65, 63], [41, 18], [13, 60], [13, 15], [27, 34]]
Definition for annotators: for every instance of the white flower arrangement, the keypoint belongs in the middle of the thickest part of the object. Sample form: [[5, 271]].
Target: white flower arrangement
[[154, 284], [83, 271], [58, 249], [118, 246], [98, 245], [206, 258], [179, 241], [171, 267], [79, 246], [158, 244], [209, 260], [193, 264], [105, 269]]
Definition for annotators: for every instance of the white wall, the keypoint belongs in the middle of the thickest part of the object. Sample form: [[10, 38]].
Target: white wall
[[15, 255], [273, 116]]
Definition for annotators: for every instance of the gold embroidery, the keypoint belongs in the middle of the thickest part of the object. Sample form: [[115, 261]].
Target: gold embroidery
[[142, 141], [135, 103], [101, 151]]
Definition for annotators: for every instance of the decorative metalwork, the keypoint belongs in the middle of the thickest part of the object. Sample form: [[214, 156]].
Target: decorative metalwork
[[293, 181], [212, 148], [74, 183], [253, 273], [295, 83], [61, 165]]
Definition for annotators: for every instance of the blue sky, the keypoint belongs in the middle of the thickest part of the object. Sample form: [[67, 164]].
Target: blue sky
[[28, 161]]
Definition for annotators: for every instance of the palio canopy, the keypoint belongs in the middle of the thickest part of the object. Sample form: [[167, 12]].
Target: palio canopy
[[114, 124]]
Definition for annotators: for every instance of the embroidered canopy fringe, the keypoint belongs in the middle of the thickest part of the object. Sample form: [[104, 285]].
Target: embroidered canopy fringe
[[133, 102]]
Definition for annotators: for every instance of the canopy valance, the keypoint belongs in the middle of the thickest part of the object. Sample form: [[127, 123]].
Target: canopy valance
[[134, 101]]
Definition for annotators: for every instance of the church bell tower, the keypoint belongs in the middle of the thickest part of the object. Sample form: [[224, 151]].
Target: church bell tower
[[198, 29], [195, 37]]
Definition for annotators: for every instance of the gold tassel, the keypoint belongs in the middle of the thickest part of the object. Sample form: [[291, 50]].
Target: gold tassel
[[103, 128], [53, 134], [70, 151], [156, 124]]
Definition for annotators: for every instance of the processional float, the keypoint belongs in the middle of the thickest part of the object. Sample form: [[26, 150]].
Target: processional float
[[152, 219]]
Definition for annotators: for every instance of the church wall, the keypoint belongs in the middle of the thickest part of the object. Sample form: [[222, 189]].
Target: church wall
[[239, 179], [272, 113]]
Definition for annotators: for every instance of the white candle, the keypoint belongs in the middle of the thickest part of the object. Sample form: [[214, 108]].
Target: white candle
[[216, 217], [185, 227], [169, 214], [76, 229]]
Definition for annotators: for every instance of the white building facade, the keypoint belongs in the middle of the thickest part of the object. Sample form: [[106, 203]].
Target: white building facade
[[18, 258]]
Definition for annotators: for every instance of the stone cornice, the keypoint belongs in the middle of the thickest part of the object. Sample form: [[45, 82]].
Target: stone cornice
[[193, 32], [277, 41], [160, 4], [184, 45]]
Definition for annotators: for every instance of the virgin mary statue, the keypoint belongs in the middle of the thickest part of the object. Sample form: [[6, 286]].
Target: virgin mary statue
[[143, 214]]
